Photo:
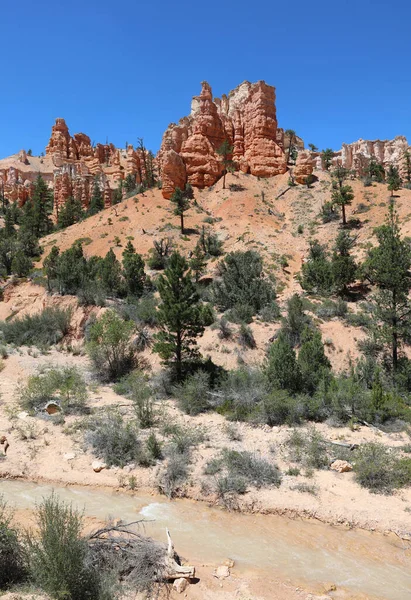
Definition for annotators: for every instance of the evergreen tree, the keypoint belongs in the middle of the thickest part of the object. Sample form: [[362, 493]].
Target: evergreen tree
[[375, 171], [21, 264], [393, 179], [407, 165], [71, 269], [7, 252], [130, 183], [118, 193], [71, 212], [313, 148], [37, 210], [133, 267], [180, 315], [343, 266], [342, 195], [97, 200], [9, 229], [388, 267], [110, 273], [282, 370], [327, 156], [181, 199], [198, 262], [316, 274], [225, 151], [291, 135], [50, 266], [312, 362], [296, 320]]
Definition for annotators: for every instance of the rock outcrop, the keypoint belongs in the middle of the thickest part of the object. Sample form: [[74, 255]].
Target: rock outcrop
[[246, 118], [357, 156], [303, 167]]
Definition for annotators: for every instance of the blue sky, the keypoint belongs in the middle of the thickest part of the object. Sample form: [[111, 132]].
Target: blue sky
[[126, 69]]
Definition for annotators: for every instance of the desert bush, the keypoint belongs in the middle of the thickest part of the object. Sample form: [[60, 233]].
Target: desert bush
[[174, 475], [59, 556], [142, 397], [329, 309], [45, 328], [209, 243], [113, 440], [240, 313], [238, 470], [192, 394], [110, 349], [65, 385], [308, 448], [245, 337], [232, 432], [328, 213], [240, 393], [143, 340], [236, 187], [224, 330], [154, 447], [270, 313], [380, 470], [143, 312], [13, 567], [279, 408]]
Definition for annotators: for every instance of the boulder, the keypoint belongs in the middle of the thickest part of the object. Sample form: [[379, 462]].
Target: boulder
[[52, 408], [341, 466], [98, 465], [222, 572], [303, 167], [180, 585]]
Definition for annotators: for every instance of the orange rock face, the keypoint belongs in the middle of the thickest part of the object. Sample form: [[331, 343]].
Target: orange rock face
[[246, 118], [174, 173], [303, 167]]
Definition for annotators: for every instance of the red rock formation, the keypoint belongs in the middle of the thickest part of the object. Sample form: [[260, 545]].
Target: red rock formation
[[59, 145], [246, 118], [82, 145], [174, 173], [303, 167]]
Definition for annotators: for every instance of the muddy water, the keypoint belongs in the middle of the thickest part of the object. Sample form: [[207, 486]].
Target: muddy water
[[306, 553]]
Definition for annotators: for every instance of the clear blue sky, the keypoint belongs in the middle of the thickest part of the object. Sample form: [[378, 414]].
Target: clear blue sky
[[122, 70]]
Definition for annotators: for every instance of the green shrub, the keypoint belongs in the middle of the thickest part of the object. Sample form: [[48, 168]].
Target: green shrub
[[110, 348], [224, 330], [114, 441], [380, 470], [192, 395], [279, 408], [59, 556], [240, 393], [329, 309], [65, 386], [241, 313], [141, 396], [12, 557], [242, 469], [242, 282], [270, 313], [245, 337], [308, 448], [143, 312], [174, 475], [42, 329], [154, 447]]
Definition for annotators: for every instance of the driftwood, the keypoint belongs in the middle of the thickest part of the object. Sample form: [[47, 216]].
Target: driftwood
[[344, 445], [139, 560]]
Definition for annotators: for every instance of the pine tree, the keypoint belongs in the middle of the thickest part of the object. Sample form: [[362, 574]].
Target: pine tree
[[70, 213], [180, 315], [133, 267], [50, 266], [181, 199], [313, 148], [312, 362], [388, 267], [225, 151], [327, 156], [37, 210], [343, 266], [316, 275], [97, 200], [21, 264], [198, 262], [393, 179], [290, 133], [343, 195], [375, 171], [282, 370], [110, 273], [407, 165]]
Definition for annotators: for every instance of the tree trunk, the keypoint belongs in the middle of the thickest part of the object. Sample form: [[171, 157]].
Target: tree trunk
[[178, 357], [343, 214], [224, 172], [182, 223]]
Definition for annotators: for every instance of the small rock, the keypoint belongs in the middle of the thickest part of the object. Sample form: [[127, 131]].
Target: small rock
[[52, 408], [69, 456], [180, 585], [126, 469], [22, 415], [229, 563], [132, 466], [222, 572], [98, 466], [341, 466]]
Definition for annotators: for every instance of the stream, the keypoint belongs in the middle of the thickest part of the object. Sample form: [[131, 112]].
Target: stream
[[305, 552]]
